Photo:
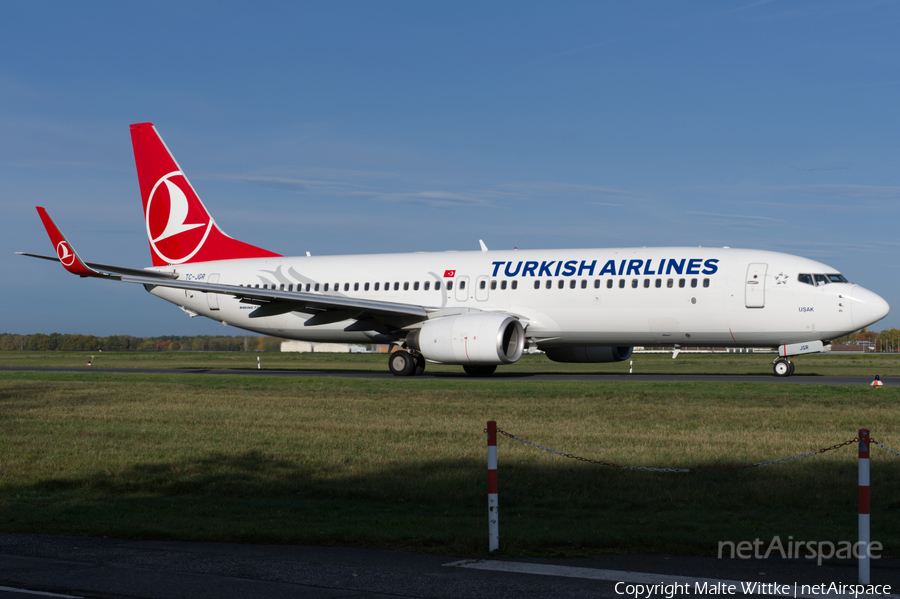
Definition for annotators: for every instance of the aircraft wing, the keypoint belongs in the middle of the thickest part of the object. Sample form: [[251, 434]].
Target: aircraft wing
[[71, 261], [111, 270], [326, 309]]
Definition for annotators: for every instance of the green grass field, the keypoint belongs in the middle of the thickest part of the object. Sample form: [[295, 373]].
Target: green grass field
[[402, 463]]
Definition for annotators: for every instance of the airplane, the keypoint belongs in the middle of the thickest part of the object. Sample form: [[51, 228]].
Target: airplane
[[480, 309]]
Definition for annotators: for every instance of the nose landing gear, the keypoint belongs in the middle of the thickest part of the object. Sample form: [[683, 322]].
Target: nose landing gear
[[783, 367]]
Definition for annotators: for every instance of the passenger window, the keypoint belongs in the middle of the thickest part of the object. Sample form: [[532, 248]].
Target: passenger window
[[257, 285], [416, 286], [387, 286], [355, 286], [515, 284], [596, 283], [693, 282], [621, 283], [265, 285], [317, 286], [347, 286], [550, 283], [291, 287], [482, 284], [502, 284], [437, 286], [658, 283], [634, 283], [325, 288], [680, 283], [494, 285], [366, 286], [427, 285], [669, 283], [462, 284], [307, 286], [609, 284], [560, 284], [584, 283], [572, 284], [377, 285], [449, 285], [537, 284], [805, 279], [646, 283], [821, 280], [706, 282], [397, 286], [281, 288]]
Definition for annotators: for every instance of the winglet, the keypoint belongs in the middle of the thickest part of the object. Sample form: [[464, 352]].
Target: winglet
[[64, 251]]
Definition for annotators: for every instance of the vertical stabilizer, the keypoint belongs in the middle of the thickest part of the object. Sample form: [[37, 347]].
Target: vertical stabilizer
[[179, 227]]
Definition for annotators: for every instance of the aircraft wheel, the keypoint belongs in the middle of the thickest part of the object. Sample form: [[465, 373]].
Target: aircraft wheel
[[420, 364], [791, 373], [783, 367], [480, 369], [401, 363]]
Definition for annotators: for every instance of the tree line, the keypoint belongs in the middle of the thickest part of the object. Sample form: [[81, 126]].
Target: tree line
[[66, 342]]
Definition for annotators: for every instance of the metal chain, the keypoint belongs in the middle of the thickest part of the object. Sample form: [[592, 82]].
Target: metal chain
[[711, 469], [885, 447]]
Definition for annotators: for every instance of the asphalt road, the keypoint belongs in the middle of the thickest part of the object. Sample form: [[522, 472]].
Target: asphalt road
[[597, 378], [91, 567]]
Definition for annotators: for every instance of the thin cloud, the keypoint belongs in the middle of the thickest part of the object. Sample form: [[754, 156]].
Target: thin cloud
[[64, 164], [433, 198], [548, 188], [856, 192], [740, 219]]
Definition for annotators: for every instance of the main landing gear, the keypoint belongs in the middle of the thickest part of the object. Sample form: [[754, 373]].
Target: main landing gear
[[783, 367], [403, 363]]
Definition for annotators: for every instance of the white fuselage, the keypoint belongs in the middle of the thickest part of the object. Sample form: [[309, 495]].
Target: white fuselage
[[700, 296]]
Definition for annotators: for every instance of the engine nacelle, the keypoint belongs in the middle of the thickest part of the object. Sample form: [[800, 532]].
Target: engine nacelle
[[477, 338], [589, 353]]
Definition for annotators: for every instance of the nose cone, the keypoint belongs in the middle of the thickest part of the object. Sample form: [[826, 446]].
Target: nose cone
[[866, 307]]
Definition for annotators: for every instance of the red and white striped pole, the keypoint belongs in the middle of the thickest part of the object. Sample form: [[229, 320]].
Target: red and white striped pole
[[863, 507], [493, 521]]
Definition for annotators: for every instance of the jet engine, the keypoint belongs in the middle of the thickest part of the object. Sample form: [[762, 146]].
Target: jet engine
[[589, 353], [476, 338]]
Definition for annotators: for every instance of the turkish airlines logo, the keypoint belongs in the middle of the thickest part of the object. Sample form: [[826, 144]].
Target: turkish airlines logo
[[65, 253], [449, 274], [176, 226]]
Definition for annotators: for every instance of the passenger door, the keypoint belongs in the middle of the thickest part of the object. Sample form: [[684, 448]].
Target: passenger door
[[755, 286]]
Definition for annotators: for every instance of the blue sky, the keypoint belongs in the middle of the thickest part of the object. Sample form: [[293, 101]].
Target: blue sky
[[358, 127]]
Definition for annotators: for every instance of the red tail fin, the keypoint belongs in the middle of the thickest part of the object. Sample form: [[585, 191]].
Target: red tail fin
[[179, 227]]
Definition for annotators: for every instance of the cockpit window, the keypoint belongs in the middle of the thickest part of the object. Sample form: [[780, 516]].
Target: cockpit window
[[815, 279]]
